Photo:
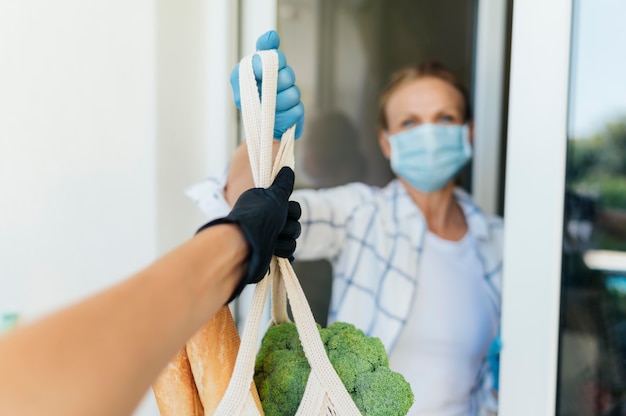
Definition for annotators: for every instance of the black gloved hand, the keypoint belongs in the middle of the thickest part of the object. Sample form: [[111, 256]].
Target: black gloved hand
[[269, 222]]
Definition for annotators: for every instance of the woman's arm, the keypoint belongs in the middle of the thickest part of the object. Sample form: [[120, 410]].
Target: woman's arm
[[240, 173], [326, 218]]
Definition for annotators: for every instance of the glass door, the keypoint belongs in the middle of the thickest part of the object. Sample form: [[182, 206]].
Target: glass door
[[592, 333], [564, 302]]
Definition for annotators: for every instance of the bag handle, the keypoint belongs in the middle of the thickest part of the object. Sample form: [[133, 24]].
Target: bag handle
[[258, 123], [258, 118]]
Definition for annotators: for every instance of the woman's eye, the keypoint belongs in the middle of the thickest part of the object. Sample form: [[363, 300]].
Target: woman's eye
[[407, 123], [446, 119]]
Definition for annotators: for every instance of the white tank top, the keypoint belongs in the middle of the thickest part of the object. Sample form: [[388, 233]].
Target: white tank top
[[449, 329]]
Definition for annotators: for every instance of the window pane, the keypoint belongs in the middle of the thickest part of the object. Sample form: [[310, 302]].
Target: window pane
[[592, 370]]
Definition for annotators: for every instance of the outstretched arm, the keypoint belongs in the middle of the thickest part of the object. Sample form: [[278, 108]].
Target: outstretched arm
[[100, 356]]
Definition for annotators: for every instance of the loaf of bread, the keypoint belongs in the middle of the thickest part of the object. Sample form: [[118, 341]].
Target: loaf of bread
[[195, 381], [212, 353], [175, 389]]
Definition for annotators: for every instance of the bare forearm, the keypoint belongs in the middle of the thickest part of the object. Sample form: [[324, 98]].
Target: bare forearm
[[102, 354], [240, 173]]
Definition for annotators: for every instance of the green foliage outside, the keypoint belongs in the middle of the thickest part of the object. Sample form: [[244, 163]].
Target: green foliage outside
[[596, 166], [596, 169]]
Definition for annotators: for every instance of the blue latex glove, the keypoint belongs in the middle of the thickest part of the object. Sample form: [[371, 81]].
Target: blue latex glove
[[289, 108], [493, 356]]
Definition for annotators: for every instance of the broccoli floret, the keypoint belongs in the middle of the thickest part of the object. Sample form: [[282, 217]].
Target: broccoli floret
[[281, 370], [361, 362], [351, 352], [383, 392]]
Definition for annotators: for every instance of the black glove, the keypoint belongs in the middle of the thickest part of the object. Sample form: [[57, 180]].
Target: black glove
[[269, 222]]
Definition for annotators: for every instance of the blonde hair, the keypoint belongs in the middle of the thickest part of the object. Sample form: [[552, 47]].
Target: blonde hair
[[433, 69]]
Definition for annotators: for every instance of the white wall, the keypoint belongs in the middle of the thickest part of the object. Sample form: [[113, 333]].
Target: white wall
[[105, 118], [77, 153], [196, 118]]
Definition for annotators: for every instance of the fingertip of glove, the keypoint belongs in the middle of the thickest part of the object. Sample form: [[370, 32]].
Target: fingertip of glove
[[268, 40], [294, 210], [284, 78], [283, 183], [286, 176]]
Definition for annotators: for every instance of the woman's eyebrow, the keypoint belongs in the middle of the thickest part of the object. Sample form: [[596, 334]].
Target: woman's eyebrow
[[449, 109]]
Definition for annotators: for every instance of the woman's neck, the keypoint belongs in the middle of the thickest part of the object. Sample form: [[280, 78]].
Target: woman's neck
[[442, 213]]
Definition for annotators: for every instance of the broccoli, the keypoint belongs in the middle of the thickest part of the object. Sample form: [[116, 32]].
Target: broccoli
[[282, 370]]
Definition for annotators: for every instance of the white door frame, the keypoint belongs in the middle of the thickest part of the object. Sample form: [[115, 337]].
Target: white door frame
[[488, 98], [535, 186], [257, 17], [222, 55]]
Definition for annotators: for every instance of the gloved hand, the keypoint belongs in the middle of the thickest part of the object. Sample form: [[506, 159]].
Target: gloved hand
[[493, 357], [289, 108], [269, 222]]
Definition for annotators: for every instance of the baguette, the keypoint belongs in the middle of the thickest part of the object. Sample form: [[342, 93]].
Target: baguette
[[212, 353], [175, 390]]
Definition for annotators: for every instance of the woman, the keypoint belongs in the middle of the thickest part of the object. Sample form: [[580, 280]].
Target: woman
[[415, 263]]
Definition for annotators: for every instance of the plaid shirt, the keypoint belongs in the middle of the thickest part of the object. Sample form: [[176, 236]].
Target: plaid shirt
[[373, 237]]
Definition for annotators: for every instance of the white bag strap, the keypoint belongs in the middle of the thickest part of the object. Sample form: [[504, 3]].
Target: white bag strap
[[258, 119], [258, 123], [324, 387], [321, 368]]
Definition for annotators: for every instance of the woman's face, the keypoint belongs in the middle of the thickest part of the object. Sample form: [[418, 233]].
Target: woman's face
[[426, 100]]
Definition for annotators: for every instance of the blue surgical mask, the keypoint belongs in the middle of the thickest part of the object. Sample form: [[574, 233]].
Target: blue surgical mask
[[429, 155]]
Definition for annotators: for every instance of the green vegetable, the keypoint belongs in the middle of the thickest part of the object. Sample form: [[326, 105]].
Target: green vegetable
[[282, 370]]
